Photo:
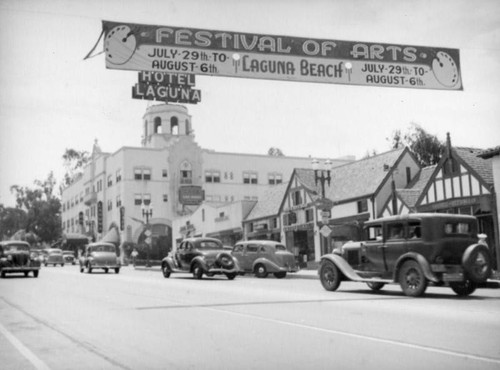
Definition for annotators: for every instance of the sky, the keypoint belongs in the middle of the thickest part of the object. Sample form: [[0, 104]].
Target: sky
[[52, 99]]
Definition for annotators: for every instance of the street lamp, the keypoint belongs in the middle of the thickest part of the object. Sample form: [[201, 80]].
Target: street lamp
[[147, 212], [322, 174]]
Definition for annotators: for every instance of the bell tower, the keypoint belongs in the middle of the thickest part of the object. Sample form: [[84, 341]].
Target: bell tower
[[164, 122]]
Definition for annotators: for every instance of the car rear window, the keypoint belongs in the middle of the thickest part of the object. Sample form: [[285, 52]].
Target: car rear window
[[454, 228], [209, 244]]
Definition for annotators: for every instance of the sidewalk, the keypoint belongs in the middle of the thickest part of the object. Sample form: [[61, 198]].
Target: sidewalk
[[493, 283]]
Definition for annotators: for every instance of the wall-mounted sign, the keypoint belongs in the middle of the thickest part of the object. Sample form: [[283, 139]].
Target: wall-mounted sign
[[191, 195], [139, 47]]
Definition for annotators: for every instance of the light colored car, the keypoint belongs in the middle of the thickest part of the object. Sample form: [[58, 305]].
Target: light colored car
[[15, 257], [69, 257], [263, 257], [100, 255], [53, 256]]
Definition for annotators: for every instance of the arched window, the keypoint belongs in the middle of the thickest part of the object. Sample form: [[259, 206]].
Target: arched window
[[174, 125], [157, 126]]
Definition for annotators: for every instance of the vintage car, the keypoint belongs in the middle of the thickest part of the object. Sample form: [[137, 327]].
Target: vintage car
[[201, 256], [69, 257], [262, 257], [413, 250], [53, 256], [100, 255], [15, 257]]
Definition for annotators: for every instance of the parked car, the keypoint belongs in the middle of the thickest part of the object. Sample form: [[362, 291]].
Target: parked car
[[262, 257], [37, 254], [15, 257], [53, 256], [100, 255], [201, 256], [69, 257], [413, 250]]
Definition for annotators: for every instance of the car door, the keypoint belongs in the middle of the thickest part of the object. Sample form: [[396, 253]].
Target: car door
[[395, 243], [239, 253], [372, 258]]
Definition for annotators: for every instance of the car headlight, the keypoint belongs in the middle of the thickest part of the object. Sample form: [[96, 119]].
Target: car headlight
[[9, 257]]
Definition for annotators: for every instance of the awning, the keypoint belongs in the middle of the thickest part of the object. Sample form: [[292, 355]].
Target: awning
[[74, 237], [112, 237]]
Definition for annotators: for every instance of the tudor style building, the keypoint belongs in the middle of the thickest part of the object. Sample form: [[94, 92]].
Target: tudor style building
[[461, 183], [121, 195]]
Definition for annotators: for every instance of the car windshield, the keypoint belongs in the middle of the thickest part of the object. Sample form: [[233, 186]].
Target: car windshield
[[55, 251], [102, 248], [16, 248], [209, 244]]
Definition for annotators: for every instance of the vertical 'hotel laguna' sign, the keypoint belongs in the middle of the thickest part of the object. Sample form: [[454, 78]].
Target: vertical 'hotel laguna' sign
[[130, 46]]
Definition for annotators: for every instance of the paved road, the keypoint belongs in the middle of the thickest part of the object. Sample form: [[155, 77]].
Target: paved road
[[139, 320]]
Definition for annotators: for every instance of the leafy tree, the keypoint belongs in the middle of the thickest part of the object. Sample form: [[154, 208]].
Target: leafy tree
[[42, 209], [275, 152], [11, 220], [74, 161], [426, 147]]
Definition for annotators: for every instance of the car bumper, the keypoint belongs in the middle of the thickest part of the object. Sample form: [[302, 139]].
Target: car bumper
[[19, 269], [219, 270], [449, 272]]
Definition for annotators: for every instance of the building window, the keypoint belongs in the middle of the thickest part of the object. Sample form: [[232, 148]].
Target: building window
[[164, 173], [363, 206], [165, 197], [186, 177], [118, 201], [297, 197], [137, 199], [110, 205], [142, 174], [275, 178], [146, 199], [174, 125], [118, 175], [250, 178], [309, 215], [157, 125], [212, 176], [110, 181], [137, 174]]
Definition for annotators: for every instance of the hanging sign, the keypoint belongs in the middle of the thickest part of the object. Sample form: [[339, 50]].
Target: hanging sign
[[130, 46], [167, 87]]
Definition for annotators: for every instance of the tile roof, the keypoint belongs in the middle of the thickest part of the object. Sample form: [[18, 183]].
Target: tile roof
[[269, 203], [483, 167], [361, 178], [488, 153]]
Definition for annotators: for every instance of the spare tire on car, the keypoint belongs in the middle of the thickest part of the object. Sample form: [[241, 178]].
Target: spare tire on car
[[225, 261], [477, 263]]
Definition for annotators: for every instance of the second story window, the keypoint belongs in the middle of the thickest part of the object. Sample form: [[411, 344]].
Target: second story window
[[250, 178], [297, 197], [275, 178], [362, 206], [212, 176], [110, 181], [142, 174], [118, 175]]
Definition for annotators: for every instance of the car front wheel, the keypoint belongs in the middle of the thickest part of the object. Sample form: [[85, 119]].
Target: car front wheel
[[197, 271], [329, 275], [463, 288], [280, 275], [166, 270], [412, 279], [260, 271], [230, 276], [35, 273], [375, 285]]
